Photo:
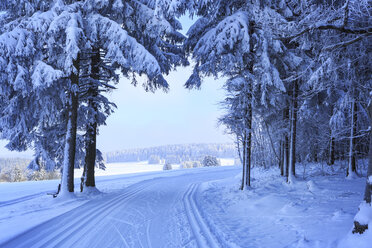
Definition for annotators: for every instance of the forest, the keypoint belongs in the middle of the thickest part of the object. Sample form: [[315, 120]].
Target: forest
[[173, 153], [297, 77]]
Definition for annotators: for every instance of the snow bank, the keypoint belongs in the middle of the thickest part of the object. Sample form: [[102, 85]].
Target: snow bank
[[364, 216]]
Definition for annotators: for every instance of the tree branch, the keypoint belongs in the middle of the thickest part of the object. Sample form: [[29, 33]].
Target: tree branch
[[346, 43], [342, 29], [271, 141]]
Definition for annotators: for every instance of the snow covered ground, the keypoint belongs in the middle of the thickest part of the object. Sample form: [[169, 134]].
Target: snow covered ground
[[317, 211], [199, 207]]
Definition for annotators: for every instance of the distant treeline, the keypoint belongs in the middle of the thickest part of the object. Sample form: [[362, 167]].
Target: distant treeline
[[173, 153], [21, 163], [15, 170]]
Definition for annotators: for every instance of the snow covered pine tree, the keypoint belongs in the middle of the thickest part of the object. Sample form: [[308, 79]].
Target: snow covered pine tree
[[80, 26], [340, 37], [232, 40]]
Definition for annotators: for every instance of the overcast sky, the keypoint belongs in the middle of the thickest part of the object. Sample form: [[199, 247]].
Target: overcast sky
[[145, 119]]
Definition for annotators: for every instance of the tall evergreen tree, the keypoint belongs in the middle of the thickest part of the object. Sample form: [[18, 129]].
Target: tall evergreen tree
[[231, 39]]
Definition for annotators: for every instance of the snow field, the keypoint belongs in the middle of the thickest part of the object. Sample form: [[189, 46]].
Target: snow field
[[316, 212]]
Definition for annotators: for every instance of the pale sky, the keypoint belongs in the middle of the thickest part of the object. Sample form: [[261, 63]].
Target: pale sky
[[145, 119]]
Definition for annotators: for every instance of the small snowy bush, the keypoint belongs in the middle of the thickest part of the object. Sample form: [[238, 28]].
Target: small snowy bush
[[196, 164], [186, 165], [210, 161], [167, 166]]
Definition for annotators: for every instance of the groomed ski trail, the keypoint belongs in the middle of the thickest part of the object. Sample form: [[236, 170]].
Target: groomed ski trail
[[201, 231], [159, 212]]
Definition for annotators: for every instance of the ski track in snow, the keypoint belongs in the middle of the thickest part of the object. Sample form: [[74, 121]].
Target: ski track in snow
[[22, 199], [201, 231], [159, 212]]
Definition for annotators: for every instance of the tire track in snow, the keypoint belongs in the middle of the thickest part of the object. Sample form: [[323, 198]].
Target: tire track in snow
[[200, 229]]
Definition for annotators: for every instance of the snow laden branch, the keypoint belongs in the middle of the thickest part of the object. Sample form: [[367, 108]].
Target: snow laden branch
[[124, 50], [340, 28], [351, 19]]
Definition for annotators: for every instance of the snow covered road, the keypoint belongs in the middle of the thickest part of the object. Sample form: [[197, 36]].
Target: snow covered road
[[159, 212]]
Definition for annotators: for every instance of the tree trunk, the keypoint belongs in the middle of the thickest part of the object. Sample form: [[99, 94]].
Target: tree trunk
[[91, 129], [90, 154], [281, 162], [331, 159], [361, 227], [286, 144], [292, 157], [249, 144], [352, 158], [368, 190], [244, 159], [67, 184]]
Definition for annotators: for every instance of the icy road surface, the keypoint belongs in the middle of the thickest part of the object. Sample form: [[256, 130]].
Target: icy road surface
[[159, 212]]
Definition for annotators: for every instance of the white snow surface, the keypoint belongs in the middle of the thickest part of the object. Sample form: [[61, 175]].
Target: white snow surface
[[199, 207]]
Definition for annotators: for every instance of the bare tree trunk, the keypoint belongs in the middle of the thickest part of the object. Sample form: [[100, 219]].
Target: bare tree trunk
[[286, 144], [272, 143], [361, 227], [281, 162], [249, 144], [352, 159], [292, 156], [67, 184], [368, 190], [90, 154], [294, 127], [331, 159], [244, 159]]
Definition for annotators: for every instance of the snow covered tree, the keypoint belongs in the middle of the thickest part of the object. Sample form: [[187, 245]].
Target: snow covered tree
[[17, 175], [75, 44], [153, 27], [26, 87], [232, 39], [167, 166], [338, 35], [336, 28], [209, 161]]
